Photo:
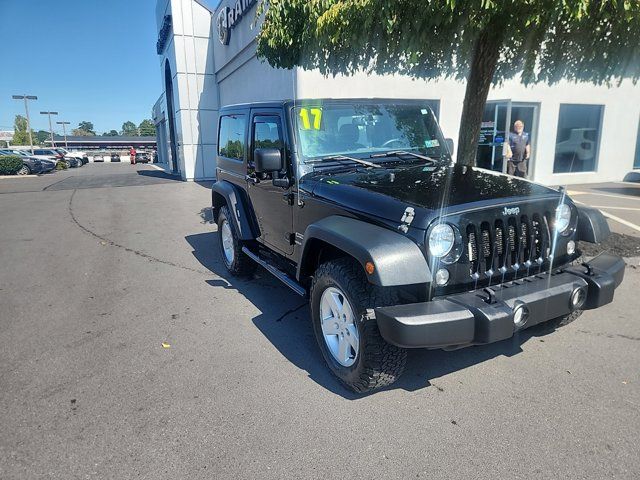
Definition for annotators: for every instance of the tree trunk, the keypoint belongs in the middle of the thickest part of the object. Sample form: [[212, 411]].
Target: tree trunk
[[486, 53]]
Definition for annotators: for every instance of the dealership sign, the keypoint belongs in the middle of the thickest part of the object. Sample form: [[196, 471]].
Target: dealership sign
[[229, 17], [163, 35], [6, 135]]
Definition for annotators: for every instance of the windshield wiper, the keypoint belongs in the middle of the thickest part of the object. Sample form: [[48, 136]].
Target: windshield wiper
[[342, 158], [398, 153]]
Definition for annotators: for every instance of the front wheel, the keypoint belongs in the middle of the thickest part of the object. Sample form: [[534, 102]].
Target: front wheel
[[24, 170], [349, 340]]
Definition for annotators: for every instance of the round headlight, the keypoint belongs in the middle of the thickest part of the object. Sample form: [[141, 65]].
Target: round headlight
[[563, 217], [441, 240]]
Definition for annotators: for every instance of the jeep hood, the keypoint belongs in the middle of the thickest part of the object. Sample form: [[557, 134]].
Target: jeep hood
[[431, 190]]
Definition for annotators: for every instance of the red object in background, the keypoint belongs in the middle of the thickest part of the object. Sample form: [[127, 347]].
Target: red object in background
[[132, 154]]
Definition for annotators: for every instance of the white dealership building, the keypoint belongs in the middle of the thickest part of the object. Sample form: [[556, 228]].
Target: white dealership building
[[580, 133]]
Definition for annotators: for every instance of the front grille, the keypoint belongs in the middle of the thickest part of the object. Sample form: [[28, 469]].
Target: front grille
[[508, 244]]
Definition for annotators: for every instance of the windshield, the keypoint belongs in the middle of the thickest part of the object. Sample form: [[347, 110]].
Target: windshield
[[366, 129]]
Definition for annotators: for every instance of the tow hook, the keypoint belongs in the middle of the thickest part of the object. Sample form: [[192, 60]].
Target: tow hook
[[491, 295]]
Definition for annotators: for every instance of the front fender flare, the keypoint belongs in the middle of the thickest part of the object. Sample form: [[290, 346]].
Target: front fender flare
[[592, 226], [397, 259]]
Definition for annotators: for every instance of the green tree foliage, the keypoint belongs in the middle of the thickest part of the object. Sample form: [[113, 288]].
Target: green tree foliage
[[20, 134], [147, 128], [41, 136], [85, 129], [479, 41], [110, 133], [129, 129]]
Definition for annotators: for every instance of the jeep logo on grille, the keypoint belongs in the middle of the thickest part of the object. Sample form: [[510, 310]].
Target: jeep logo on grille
[[511, 211]]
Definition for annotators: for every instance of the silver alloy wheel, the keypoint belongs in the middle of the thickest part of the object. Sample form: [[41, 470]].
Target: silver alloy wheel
[[338, 326], [227, 241], [24, 170]]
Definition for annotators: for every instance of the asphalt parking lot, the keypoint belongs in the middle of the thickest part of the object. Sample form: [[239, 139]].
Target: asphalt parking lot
[[103, 265], [619, 201]]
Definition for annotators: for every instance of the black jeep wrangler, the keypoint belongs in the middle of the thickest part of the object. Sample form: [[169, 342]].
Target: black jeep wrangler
[[357, 205]]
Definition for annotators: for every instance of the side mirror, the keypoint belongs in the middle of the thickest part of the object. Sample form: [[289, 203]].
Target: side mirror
[[449, 143], [267, 160]]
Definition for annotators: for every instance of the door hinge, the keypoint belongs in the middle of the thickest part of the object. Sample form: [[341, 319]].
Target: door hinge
[[288, 198]]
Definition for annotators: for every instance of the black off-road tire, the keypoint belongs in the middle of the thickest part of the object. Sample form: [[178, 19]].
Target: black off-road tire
[[378, 363], [565, 319], [241, 266]]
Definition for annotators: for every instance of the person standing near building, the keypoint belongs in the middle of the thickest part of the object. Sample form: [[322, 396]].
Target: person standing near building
[[519, 150], [132, 154]]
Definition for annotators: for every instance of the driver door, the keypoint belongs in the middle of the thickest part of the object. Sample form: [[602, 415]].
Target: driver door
[[272, 205]]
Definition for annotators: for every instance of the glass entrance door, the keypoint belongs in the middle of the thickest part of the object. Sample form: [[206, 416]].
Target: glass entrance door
[[497, 122]]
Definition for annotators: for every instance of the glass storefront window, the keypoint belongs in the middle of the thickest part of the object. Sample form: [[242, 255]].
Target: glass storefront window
[[578, 138]]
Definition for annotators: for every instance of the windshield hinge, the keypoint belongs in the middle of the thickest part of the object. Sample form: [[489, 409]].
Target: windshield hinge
[[407, 218]]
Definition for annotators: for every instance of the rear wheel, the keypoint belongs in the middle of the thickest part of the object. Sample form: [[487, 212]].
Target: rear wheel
[[231, 246], [24, 170], [349, 340]]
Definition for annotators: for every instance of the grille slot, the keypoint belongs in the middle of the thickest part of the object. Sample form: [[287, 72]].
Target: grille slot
[[508, 245]]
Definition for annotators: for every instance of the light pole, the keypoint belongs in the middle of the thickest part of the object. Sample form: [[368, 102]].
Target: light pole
[[64, 129], [26, 108], [53, 145]]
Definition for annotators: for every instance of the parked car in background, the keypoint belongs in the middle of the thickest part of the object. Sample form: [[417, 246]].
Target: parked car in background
[[54, 153], [143, 157], [82, 156], [115, 157], [98, 158], [26, 152], [48, 164], [30, 165]]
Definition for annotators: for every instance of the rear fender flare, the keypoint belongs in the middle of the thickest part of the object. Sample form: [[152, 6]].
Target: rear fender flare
[[237, 204]]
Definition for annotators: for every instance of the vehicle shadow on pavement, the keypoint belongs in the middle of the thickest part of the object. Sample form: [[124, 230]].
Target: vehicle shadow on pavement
[[285, 321]]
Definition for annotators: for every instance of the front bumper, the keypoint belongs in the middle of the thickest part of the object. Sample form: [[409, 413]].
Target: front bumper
[[487, 315]]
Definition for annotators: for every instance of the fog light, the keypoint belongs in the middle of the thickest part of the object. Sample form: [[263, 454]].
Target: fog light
[[442, 277], [571, 247], [578, 297], [520, 315]]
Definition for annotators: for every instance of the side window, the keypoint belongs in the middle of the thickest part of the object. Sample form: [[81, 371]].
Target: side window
[[267, 133], [231, 136]]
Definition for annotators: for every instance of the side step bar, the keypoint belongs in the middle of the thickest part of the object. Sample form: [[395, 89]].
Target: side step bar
[[276, 272]]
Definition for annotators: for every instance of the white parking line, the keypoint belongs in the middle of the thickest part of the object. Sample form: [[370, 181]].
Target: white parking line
[[621, 220], [635, 209], [624, 197], [613, 217]]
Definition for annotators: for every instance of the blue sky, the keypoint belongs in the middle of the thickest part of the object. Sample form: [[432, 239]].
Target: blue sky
[[89, 60]]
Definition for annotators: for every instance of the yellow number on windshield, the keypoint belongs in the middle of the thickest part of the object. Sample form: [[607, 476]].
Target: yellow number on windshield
[[305, 116]]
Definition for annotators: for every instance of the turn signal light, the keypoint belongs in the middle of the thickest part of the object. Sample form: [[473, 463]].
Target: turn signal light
[[369, 268]]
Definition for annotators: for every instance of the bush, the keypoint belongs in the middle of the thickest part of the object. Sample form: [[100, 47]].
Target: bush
[[10, 164], [60, 165]]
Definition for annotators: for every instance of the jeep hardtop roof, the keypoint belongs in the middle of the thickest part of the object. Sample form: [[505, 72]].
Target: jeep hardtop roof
[[289, 101]]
